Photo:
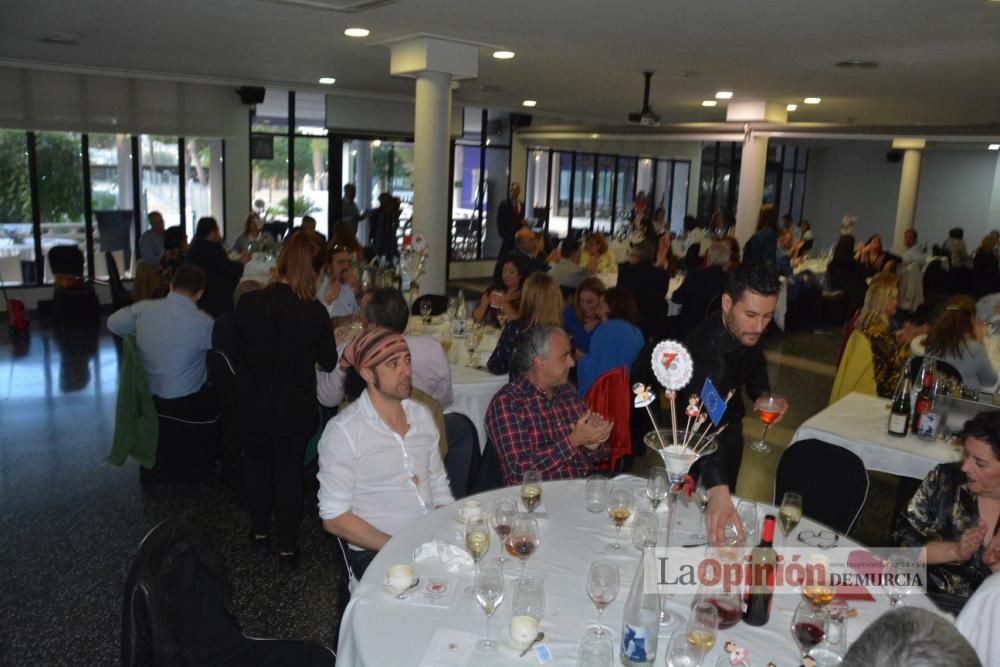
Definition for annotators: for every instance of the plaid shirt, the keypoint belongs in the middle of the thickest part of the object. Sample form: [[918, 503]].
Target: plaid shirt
[[531, 430]]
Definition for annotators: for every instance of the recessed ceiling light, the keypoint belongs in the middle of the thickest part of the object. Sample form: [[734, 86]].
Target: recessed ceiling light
[[724, 95], [357, 32], [791, 107], [528, 103], [856, 64], [709, 103], [327, 80], [595, 136], [376, 143], [503, 55], [813, 100], [994, 147]]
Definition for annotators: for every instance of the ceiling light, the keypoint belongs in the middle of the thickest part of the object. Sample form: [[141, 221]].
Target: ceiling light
[[327, 80], [376, 143], [595, 136], [354, 151], [791, 107], [528, 103], [709, 103], [813, 100], [503, 55], [357, 32], [724, 95], [994, 147]]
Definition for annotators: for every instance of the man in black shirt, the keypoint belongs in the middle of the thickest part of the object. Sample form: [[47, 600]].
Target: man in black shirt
[[728, 350], [222, 274]]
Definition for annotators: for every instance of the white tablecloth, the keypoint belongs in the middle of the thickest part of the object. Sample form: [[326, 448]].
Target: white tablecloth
[[859, 422], [380, 631], [259, 268], [473, 390]]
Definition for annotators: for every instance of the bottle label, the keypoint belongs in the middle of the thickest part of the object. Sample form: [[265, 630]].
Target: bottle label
[[897, 424], [927, 427], [635, 643]]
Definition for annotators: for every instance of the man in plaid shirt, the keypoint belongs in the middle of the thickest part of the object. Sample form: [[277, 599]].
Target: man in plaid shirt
[[538, 420]]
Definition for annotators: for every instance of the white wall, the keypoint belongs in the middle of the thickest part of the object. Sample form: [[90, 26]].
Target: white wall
[[956, 189]]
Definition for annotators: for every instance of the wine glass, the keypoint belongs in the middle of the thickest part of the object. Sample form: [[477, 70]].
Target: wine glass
[[830, 651], [489, 594], [425, 310], [816, 588], [747, 511], [644, 530], [595, 650], [789, 514], [453, 307], [531, 489], [471, 344], [896, 571], [657, 486], [446, 341], [477, 542], [528, 598], [504, 511], [522, 541], [808, 626], [768, 408], [681, 653], [701, 500], [703, 628], [596, 498], [602, 587], [619, 509]]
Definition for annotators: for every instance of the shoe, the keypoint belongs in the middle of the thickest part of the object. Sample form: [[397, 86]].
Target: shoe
[[258, 541], [289, 561]]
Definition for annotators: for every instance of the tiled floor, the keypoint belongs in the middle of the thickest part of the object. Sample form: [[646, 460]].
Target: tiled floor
[[69, 523]]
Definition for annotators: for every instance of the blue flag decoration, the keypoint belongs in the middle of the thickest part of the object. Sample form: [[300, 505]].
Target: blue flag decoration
[[713, 403]]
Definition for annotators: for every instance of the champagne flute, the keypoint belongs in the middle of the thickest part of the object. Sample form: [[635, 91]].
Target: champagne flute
[[657, 486], [477, 542], [768, 407], [619, 509], [789, 514], [470, 345], [701, 500], [425, 310], [703, 628], [531, 489], [446, 341], [522, 541], [504, 511], [489, 594], [603, 582], [808, 626]]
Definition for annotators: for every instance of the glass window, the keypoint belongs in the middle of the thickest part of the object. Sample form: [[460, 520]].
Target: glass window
[[269, 182], [111, 200], [160, 179], [679, 202], [562, 165], [310, 114], [199, 156], [536, 188], [311, 195], [660, 196], [497, 177], [271, 115], [644, 180], [626, 188], [465, 225], [17, 243], [60, 192], [583, 190], [603, 204]]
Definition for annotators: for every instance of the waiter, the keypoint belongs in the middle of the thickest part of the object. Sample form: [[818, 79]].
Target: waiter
[[727, 348], [510, 218]]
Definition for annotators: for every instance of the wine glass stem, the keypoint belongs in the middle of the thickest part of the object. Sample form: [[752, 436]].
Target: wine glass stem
[[600, 619], [488, 634], [672, 502], [618, 535], [763, 433]]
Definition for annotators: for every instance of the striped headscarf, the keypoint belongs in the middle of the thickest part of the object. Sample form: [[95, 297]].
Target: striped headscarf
[[372, 347]]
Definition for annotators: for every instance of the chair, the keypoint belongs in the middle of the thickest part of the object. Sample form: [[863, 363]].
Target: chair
[[488, 477], [276, 229], [439, 304], [942, 367], [856, 371], [832, 480], [611, 397], [119, 295], [74, 302], [177, 609]]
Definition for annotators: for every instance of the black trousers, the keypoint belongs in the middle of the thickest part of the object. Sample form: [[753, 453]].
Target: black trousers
[[273, 484]]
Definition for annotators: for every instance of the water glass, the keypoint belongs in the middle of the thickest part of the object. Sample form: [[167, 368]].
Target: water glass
[[644, 530], [595, 651], [680, 653], [528, 597], [596, 497], [747, 511]]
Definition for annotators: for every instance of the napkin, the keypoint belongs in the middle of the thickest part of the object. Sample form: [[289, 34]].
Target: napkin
[[449, 648], [454, 558]]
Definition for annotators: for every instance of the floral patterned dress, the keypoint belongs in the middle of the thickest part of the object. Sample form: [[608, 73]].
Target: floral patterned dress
[[888, 355]]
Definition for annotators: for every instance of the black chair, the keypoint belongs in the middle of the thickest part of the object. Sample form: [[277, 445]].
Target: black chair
[[119, 295], [66, 260], [943, 368], [832, 480], [188, 444], [439, 304], [488, 477], [177, 609], [276, 229], [74, 302]]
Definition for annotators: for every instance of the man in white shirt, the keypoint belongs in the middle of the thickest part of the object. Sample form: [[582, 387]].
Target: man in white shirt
[[912, 253], [335, 291], [379, 465]]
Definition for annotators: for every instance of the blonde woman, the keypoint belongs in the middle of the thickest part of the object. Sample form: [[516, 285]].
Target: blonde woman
[[541, 304], [597, 256], [890, 349]]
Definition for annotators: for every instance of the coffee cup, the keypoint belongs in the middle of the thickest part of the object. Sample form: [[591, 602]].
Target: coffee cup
[[470, 509], [523, 630], [399, 577]]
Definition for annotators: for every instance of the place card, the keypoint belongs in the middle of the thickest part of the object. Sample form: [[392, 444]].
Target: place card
[[449, 648]]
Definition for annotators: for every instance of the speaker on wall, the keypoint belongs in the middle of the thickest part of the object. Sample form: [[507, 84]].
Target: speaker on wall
[[250, 95]]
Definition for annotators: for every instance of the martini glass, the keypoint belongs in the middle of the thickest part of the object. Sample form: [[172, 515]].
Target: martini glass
[[677, 459], [768, 409]]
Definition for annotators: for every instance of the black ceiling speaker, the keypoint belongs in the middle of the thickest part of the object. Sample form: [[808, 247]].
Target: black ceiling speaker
[[520, 119], [894, 156], [250, 95]]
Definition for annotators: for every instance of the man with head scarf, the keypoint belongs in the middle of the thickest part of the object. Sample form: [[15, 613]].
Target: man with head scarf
[[379, 464]]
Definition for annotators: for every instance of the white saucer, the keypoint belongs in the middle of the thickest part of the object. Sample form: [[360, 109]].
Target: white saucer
[[458, 518], [508, 641], [392, 590]]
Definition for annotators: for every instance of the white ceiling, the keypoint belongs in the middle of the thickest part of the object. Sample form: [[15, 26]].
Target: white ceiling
[[581, 59]]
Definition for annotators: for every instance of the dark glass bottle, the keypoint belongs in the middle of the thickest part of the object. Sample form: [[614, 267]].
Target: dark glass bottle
[[763, 561]]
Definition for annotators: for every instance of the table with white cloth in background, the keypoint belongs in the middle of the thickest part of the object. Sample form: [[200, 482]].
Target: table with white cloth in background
[[859, 423], [472, 391], [609, 279], [259, 268], [571, 538]]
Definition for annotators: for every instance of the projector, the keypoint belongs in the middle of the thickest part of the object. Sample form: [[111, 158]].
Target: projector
[[647, 119]]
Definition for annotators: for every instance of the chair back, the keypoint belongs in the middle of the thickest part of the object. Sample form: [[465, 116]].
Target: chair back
[[856, 371], [832, 480], [488, 477], [275, 229], [943, 368], [66, 260], [119, 295], [439, 304], [611, 397]]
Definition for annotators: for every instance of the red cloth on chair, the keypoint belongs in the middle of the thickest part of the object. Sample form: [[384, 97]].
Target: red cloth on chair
[[611, 396]]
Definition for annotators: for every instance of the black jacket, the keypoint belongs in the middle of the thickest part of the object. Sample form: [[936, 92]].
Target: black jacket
[[222, 275], [698, 295], [648, 285], [731, 366]]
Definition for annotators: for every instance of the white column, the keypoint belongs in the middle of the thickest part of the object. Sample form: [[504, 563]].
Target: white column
[[909, 184], [430, 173], [752, 167]]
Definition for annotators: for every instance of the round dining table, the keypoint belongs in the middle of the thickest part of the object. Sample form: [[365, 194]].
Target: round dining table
[[379, 630]]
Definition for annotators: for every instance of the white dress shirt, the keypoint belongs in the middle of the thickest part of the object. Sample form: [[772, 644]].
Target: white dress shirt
[[366, 468]]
